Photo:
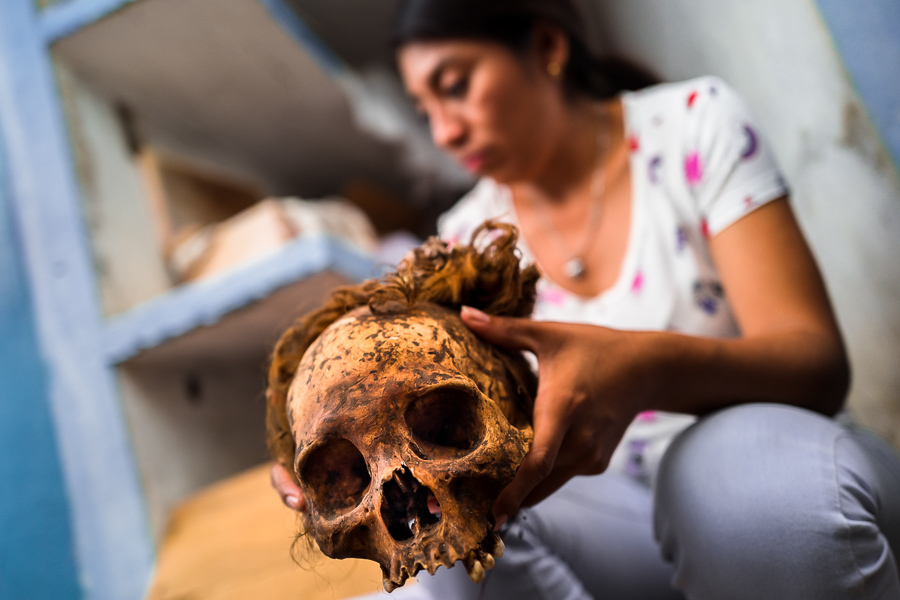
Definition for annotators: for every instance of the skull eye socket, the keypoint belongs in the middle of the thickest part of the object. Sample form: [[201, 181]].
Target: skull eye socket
[[445, 422], [336, 476]]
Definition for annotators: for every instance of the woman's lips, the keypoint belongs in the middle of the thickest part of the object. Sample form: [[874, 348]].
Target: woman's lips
[[473, 162]]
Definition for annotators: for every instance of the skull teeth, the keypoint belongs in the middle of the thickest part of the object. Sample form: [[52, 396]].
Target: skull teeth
[[498, 548], [475, 570], [476, 562]]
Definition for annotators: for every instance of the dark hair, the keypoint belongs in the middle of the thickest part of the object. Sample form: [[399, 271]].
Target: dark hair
[[511, 23]]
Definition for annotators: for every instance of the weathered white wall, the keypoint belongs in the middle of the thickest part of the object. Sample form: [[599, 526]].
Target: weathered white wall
[[192, 425], [126, 251], [779, 55]]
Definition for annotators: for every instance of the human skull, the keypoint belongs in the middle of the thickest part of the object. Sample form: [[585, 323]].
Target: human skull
[[407, 428]]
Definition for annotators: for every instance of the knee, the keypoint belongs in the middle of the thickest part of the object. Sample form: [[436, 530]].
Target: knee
[[754, 492], [747, 452], [746, 461]]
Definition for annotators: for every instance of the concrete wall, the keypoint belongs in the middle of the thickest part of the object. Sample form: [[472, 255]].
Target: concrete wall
[[779, 55]]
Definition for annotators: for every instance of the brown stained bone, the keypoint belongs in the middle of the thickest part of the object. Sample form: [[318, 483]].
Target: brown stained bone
[[407, 427]]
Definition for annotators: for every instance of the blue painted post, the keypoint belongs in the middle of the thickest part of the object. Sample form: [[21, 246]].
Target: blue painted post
[[37, 558], [108, 522], [867, 35]]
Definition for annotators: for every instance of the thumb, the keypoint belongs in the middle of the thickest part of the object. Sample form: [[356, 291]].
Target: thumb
[[535, 468], [509, 332], [537, 465], [286, 487]]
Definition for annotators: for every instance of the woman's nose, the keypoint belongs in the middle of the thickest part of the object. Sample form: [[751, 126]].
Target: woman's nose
[[447, 130]]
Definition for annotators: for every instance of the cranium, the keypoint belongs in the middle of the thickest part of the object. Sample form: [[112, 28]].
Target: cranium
[[407, 427]]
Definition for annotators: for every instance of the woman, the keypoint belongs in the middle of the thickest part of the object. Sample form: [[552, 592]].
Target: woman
[[676, 283]]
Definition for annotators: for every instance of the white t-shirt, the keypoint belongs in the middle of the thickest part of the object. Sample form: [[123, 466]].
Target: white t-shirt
[[698, 164]]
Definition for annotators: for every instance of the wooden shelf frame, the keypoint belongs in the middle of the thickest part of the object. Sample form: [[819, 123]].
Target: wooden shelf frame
[[66, 18], [107, 515], [206, 302], [113, 547]]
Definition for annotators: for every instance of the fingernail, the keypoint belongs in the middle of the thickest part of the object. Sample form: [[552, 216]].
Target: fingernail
[[292, 502], [501, 521], [473, 315]]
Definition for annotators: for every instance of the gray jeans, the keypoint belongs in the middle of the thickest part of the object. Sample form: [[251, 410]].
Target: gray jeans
[[754, 502]]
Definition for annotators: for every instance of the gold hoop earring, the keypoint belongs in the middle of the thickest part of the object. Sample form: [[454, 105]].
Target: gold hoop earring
[[554, 69]]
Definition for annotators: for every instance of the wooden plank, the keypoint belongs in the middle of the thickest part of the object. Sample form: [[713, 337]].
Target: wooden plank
[[183, 194], [232, 542]]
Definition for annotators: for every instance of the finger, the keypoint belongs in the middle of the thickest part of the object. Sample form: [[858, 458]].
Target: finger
[[554, 481], [287, 489], [535, 467], [593, 462], [537, 464], [576, 456], [509, 332]]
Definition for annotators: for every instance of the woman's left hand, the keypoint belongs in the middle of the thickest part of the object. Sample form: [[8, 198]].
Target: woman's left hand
[[287, 489], [593, 382]]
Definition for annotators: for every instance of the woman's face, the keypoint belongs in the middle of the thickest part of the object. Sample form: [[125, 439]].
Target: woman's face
[[493, 110]]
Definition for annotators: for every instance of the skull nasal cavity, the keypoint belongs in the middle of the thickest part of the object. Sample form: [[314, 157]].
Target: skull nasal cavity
[[445, 419], [407, 506], [336, 477]]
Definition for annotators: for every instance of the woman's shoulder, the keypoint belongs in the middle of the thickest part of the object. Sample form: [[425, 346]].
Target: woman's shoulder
[[681, 94], [487, 200], [702, 142], [696, 104]]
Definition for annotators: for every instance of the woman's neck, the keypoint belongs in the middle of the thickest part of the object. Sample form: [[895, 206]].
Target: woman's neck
[[585, 143]]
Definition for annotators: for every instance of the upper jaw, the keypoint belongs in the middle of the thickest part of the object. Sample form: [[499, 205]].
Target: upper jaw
[[434, 553]]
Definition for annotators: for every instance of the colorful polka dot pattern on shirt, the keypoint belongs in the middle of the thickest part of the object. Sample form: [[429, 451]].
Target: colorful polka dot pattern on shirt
[[698, 164]]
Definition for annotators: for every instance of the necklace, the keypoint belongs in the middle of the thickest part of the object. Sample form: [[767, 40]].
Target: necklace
[[574, 267]]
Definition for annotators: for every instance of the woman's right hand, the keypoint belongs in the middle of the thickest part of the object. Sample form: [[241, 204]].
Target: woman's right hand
[[286, 488], [593, 383]]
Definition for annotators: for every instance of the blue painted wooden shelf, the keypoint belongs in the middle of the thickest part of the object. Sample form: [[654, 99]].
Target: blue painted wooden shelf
[[119, 483], [206, 302], [66, 18]]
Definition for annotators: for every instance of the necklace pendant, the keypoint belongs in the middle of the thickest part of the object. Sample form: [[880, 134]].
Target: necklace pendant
[[574, 268]]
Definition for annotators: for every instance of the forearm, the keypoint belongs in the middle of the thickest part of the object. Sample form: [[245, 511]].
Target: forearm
[[791, 350], [699, 375]]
